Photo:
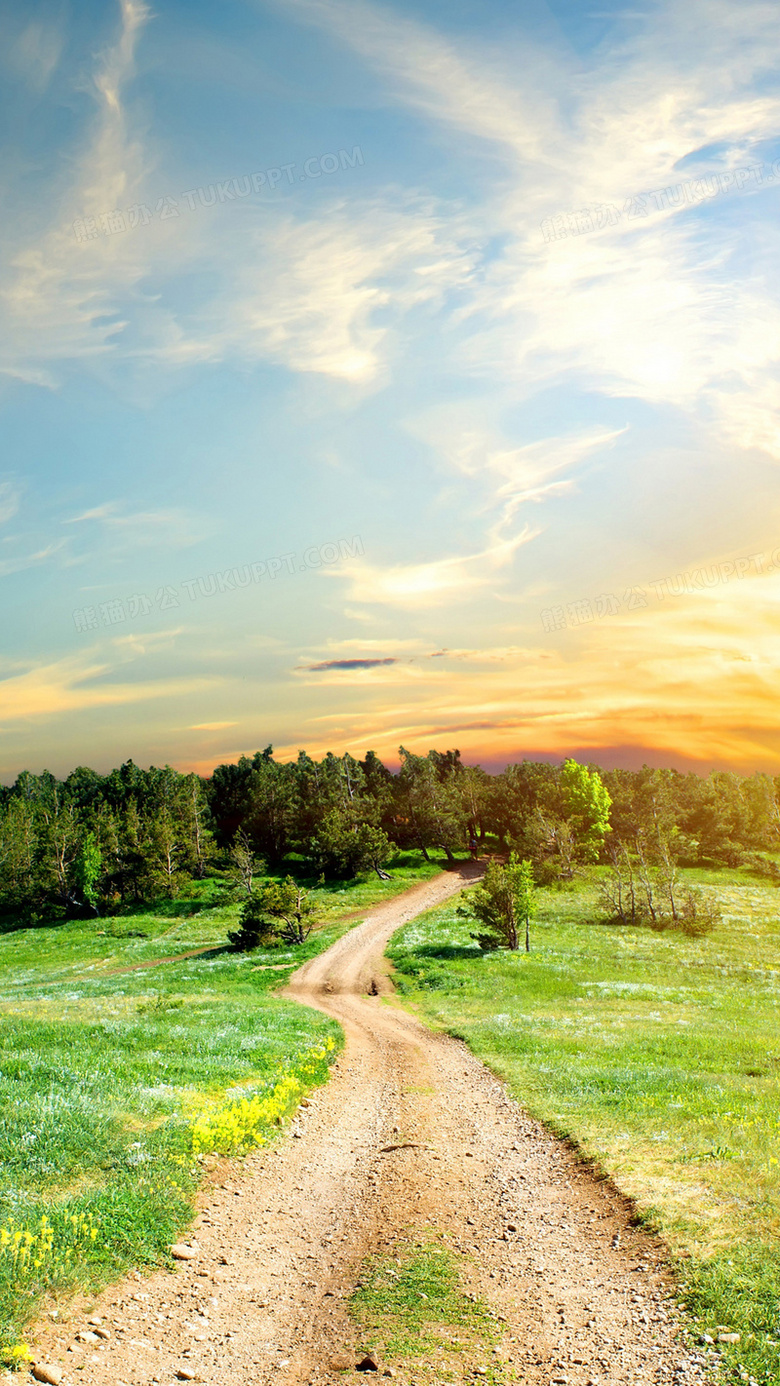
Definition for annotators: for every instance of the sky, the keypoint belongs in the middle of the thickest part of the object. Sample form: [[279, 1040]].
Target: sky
[[380, 374]]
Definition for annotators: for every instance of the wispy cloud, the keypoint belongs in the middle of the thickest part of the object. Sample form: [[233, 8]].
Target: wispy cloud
[[465, 436], [128, 530], [700, 680], [75, 684], [61, 303], [308, 293], [648, 310], [477, 96], [211, 726], [35, 52], [9, 501], [428, 584]]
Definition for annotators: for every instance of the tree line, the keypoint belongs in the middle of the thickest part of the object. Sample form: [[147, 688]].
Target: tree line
[[95, 843]]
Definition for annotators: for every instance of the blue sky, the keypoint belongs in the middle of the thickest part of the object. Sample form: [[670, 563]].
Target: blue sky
[[391, 302]]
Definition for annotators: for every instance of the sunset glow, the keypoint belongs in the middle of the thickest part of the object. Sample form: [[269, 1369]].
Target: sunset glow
[[379, 375]]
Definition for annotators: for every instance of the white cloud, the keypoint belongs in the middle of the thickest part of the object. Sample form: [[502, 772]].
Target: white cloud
[[420, 585], [306, 293], [661, 309], [479, 96], [61, 297], [657, 310], [9, 501], [35, 53], [465, 436], [141, 529]]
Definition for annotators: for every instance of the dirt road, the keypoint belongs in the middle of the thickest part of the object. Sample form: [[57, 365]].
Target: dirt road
[[412, 1139]]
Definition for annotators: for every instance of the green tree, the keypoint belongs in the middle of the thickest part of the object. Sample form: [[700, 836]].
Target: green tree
[[87, 870], [586, 805], [431, 803], [278, 911], [60, 838], [19, 876], [192, 810], [163, 852], [504, 902], [512, 806], [346, 844], [245, 862], [573, 811]]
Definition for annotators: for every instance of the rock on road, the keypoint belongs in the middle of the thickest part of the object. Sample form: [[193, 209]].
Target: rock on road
[[581, 1296]]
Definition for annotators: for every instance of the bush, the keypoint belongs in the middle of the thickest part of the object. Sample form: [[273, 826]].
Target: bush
[[695, 913], [276, 913]]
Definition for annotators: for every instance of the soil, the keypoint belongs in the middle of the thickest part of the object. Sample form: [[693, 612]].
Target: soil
[[411, 1139]]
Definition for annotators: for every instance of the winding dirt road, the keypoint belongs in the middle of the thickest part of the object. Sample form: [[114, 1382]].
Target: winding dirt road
[[412, 1138]]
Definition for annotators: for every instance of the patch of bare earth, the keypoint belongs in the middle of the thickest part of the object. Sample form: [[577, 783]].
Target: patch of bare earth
[[580, 1295]]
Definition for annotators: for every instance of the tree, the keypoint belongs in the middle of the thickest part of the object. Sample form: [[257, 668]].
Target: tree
[[277, 912], [19, 878], [87, 870], [505, 900], [270, 816], [163, 852], [431, 802], [246, 863], [513, 799], [573, 811], [344, 845], [586, 804], [645, 890], [472, 784], [191, 806], [60, 840]]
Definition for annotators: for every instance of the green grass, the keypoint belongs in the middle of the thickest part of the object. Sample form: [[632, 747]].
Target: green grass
[[659, 1056], [115, 1078], [411, 1307]]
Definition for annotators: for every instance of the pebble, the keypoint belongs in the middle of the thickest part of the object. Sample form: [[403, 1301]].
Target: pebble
[[47, 1372], [181, 1252], [368, 1363]]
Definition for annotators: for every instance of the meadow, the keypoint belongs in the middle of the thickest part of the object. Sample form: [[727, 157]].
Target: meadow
[[124, 1065], [658, 1056]]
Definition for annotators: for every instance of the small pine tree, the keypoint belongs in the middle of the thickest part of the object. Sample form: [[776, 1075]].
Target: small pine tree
[[277, 913], [505, 901]]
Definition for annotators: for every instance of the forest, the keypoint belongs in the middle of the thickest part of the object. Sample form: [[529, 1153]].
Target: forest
[[95, 844]]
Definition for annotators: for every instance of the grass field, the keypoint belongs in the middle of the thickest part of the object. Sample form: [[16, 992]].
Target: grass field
[[116, 1074], [659, 1056]]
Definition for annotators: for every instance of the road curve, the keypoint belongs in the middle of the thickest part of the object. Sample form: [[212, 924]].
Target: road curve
[[412, 1139]]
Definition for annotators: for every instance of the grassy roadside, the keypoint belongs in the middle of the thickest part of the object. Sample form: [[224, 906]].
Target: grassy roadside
[[660, 1057], [117, 1076]]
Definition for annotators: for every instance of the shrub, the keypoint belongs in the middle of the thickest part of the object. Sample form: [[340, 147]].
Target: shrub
[[277, 912]]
